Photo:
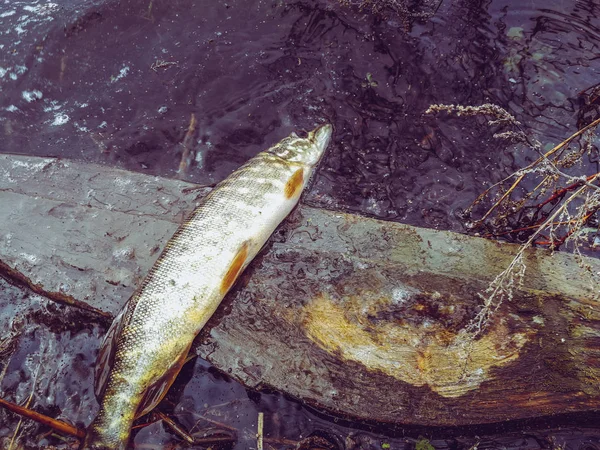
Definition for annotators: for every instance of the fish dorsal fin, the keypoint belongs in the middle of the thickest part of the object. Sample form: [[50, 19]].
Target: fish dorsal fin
[[106, 355], [157, 390]]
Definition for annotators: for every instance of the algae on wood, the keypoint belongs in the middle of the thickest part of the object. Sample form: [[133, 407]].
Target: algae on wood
[[362, 317]]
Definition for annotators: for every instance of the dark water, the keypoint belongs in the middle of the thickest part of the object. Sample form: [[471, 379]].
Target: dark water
[[118, 83]]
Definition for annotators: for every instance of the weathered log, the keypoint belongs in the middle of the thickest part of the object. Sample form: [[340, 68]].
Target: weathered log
[[358, 316], [85, 234]]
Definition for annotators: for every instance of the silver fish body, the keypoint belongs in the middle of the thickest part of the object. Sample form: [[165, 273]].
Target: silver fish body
[[148, 342]]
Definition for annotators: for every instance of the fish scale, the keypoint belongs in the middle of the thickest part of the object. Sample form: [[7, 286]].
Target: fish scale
[[148, 342]]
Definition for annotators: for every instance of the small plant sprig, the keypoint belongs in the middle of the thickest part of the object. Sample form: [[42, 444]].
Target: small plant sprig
[[555, 213], [516, 219]]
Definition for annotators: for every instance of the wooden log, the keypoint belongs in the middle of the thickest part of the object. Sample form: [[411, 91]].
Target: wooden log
[[361, 317], [85, 234]]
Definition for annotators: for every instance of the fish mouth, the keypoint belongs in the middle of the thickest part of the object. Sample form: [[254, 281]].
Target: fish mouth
[[321, 136]]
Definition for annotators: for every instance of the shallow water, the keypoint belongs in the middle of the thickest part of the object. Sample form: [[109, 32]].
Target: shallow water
[[118, 83]]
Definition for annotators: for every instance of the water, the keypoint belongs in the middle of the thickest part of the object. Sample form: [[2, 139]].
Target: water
[[118, 83]]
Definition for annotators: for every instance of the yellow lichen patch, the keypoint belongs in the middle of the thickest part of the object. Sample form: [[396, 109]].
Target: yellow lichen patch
[[234, 269], [422, 355], [583, 331], [294, 185]]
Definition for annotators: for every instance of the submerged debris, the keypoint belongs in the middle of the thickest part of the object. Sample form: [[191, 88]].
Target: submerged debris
[[407, 10]]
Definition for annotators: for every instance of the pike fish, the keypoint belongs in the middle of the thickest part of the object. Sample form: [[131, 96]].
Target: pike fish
[[148, 341]]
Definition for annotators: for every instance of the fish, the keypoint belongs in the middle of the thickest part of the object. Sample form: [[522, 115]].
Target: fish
[[149, 340]]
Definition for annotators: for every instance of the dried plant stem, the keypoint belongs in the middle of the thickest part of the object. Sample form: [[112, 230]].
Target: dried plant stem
[[506, 194], [201, 418], [523, 172], [561, 192], [65, 428], [533, 227], [259, 431], [57, 425], [549, 211], [188, 145], [34, 382], [503, 284], [556, 148], [176, 428], [554, 245], [541, 183]]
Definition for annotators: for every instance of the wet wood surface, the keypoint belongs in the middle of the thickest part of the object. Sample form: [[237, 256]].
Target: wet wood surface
[[360, 317]]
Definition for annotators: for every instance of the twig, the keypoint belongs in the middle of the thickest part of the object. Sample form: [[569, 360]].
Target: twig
[[523, 172], [556, 148], [506, 194], [280, 441], [200, 417], [556, 244], [176, 428], [259, 432], [498, 287], [34, 382], [184, 163], [152, 418], [57, 425], [267, 440], [533, 227], [533, 164]]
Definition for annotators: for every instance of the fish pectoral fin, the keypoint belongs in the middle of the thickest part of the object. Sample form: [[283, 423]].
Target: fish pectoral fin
[[235, 268], [157, 390]]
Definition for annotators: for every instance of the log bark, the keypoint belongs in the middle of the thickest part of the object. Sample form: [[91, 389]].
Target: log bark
[[360, 317]]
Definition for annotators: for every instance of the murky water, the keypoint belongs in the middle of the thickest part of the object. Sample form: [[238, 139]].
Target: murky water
[[119, 82]]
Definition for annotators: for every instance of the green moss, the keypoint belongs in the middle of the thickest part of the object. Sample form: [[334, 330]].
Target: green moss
[[424, 444], [370, 82]]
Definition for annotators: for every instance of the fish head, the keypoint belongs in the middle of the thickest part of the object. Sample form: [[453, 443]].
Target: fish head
[[307, 150]]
